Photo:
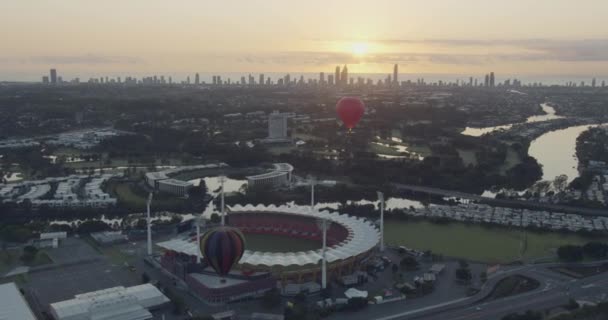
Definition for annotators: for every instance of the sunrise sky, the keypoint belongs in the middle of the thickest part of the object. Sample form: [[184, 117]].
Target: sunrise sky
[[86, 37]]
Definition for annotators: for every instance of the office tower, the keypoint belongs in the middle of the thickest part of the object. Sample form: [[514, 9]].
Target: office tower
[[261, 81], [219, 80], [593, 82], [170, 80], [344, 75], [301, 81], [277, 125], [486, 81], [470, 81], [491, 79], [476, 82], [396, 74], [330, 79], [45, 79], [243, 80], [603, 83], [251, 80], [197, 79], [214, 80], [53, 76], [287, 80], [337, 75], [321, 77]]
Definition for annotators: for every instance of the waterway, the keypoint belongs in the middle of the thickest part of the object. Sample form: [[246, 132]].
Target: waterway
[[556, 152], [549, 115]]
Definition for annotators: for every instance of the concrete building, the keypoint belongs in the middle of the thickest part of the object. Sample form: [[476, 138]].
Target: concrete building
[[277, 126], [118, 303], [280, 176], [13, 305], [176, 187]]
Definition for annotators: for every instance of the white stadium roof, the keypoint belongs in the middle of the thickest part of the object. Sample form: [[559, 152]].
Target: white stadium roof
[[363, 236], [12, 304]]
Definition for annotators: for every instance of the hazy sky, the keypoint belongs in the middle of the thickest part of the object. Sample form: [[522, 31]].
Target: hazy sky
[[87, 37]]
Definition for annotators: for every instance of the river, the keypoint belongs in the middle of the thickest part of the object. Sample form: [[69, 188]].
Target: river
[[549, 115], [556, 152]]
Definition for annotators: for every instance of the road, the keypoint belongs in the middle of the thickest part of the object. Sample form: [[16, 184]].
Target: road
[[555, 289], [503, 202]]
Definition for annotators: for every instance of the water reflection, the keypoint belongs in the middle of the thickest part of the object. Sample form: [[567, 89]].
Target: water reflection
[[549, 115]]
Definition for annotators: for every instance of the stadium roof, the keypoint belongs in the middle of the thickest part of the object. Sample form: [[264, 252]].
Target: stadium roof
[[363, 237], [13, 305]]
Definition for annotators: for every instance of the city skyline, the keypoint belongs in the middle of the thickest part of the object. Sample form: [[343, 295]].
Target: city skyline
[[465, 38]]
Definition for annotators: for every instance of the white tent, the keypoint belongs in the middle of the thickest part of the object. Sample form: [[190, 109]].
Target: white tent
[[354, 293]]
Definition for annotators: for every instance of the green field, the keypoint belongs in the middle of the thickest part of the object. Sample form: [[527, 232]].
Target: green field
[[275, 243], [476, 242], [135, 198]]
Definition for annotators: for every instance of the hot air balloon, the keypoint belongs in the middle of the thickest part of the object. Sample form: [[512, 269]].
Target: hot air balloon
[[222, 248], [350, 110]]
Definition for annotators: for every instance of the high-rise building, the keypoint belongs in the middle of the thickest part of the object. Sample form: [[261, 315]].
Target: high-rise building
[[396, 74], [322, 78], [330, 79], [344, 75], [243, 80], [261, 81], [593, 82], [277, 126], [337, 75], [486, 81], [603, 83], [45, 79], [492, 79], [197, 79], [287, 80], [470, 81], [53, 76]]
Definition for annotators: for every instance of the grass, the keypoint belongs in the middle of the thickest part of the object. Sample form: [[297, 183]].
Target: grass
[[468, 157], [474, 242], [276, 243], [132, 199]]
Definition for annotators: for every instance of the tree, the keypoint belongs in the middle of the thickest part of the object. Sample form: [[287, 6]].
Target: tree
[[409, 263], [271, 299], [483, 277], [29, 254], [570, 253], [464, 274], [215, 218], [596, 250]]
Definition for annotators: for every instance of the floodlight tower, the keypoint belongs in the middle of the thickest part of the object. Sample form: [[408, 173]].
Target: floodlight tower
[[381, 199], [222, 209], [323, 224], [149, 223], [199, 221]]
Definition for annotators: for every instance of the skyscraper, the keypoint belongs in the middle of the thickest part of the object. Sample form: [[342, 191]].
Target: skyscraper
[[486, 81], [330, 79], [261, 81], [322, 78], [396, 74], [344, 76], [53, 76], [470, 81], [491, 79], [197, 79], [337, 76], [593, 82]]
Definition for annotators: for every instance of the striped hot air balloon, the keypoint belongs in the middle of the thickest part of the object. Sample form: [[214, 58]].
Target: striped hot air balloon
[[222, 248]]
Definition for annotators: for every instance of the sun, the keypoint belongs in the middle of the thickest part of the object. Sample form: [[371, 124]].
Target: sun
[[359, 48]]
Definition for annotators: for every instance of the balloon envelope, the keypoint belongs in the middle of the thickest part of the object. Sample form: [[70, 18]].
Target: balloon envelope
[[222, 248], [350, 110]]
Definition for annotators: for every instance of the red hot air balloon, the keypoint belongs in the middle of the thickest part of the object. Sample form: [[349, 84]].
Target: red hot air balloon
[[222, 248], [350, 110]]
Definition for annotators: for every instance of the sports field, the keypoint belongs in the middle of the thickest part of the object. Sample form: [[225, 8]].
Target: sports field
[[275, 243], [476, 242]]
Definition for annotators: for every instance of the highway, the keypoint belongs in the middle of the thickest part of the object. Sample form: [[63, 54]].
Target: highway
[[503, 202]]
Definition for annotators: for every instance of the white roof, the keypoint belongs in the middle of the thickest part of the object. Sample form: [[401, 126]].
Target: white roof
[[354, 293], [13, 305], [363, 236], [279, 169], [112, 303]]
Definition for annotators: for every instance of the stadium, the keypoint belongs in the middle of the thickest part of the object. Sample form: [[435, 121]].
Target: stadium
[[350, 240]]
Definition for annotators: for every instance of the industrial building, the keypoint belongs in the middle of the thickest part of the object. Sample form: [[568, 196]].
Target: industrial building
[[12, 304], [118, 303]]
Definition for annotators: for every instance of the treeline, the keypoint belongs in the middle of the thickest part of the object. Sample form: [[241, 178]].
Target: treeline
[[574, 253]]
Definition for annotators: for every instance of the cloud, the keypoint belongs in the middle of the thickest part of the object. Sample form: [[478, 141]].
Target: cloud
[[85, 59]]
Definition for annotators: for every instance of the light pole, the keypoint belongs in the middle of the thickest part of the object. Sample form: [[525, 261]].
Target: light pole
[[324, 225], [312, 181], [381, 199], [222, 211], [149, 223], [199, 221]]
